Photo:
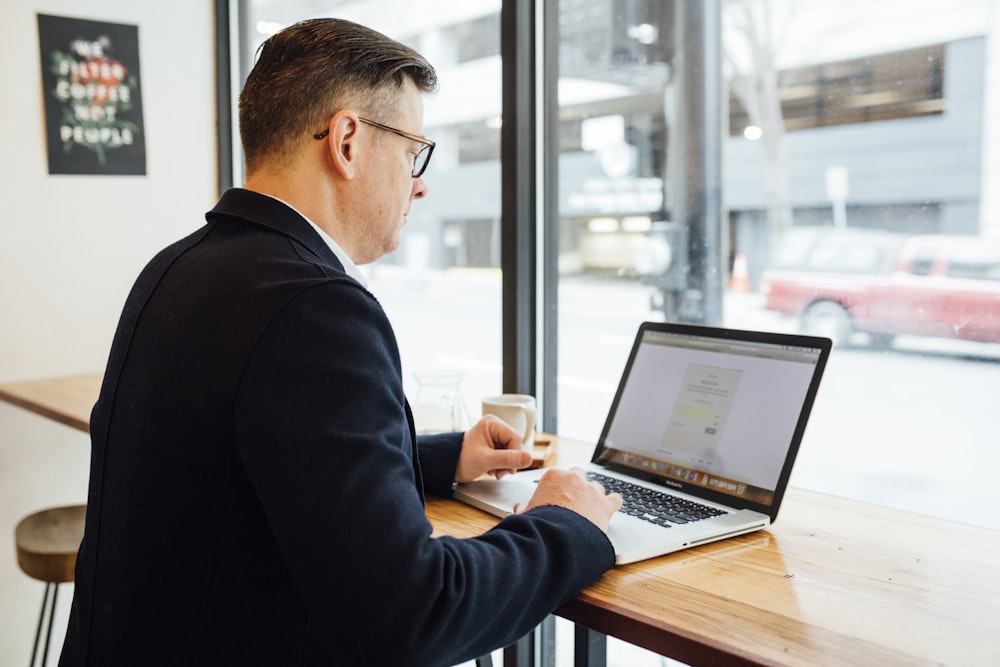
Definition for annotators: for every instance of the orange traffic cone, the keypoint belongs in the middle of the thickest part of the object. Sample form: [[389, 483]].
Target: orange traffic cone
[[740, 280]]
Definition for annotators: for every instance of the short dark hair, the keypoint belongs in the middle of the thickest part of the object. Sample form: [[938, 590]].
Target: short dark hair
[[310, 70]]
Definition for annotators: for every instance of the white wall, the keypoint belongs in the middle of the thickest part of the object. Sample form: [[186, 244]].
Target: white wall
[[71, 246]]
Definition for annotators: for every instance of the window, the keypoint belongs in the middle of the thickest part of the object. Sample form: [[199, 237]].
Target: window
[[976, 263], [873, 133], [923, 261]]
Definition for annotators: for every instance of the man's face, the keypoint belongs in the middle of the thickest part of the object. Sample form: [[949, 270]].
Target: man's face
[[388, 187]]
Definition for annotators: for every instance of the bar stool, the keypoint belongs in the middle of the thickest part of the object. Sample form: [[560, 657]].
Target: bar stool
[[47, 542]]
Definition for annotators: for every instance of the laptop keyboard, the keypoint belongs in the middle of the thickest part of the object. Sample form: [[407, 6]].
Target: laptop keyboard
[[663, 509]]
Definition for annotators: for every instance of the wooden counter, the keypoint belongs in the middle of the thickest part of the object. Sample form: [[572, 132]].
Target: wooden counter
[[833, 582]]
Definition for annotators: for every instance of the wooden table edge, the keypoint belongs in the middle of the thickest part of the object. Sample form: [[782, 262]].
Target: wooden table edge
[[65, 400]]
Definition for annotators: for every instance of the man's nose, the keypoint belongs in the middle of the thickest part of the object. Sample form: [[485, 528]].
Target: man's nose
[[419, 188]]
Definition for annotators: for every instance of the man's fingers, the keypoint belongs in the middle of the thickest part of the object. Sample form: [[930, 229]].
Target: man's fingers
[[515, 458], [501, 431], [509, 461], [617, 499]]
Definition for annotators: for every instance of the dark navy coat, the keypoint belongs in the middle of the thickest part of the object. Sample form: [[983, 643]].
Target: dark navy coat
[[256, 491]]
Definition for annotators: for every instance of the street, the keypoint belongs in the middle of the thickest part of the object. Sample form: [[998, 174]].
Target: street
[[914, 428]]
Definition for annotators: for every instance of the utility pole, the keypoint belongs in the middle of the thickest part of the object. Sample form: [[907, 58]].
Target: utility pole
[[696, 141]]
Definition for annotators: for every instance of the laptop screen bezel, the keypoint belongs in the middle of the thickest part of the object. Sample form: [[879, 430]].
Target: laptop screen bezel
[[822, 345]]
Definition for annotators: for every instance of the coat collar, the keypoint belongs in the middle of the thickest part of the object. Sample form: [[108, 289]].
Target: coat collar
[[255, 208]]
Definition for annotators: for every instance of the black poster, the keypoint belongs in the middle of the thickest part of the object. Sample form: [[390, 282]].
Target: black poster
[[93, 108]]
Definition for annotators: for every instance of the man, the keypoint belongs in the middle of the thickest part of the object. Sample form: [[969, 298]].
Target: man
[[256, 485]]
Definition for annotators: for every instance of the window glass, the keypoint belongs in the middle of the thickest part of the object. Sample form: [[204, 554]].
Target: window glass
[[841, 139], [441, 288]]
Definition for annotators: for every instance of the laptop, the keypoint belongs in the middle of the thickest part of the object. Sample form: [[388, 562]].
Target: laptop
[[702, 432]]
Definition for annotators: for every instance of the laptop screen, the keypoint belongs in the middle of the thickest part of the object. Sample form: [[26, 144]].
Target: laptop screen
[[717, 413]]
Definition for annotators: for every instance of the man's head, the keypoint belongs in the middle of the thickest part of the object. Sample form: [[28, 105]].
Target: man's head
[[312, 69], [332, 123]]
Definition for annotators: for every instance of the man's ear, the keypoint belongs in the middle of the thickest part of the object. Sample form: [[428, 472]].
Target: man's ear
[[342, 142]]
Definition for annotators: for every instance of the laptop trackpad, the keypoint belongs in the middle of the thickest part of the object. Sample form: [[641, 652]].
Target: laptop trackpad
[[496, 497]]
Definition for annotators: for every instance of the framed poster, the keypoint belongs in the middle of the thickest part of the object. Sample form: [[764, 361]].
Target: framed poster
[[93, 105]]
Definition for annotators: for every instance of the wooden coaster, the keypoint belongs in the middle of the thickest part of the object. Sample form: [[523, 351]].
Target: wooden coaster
[[542, 451]]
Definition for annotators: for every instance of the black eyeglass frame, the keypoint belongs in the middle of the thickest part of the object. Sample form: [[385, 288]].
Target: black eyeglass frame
[[425, 153]]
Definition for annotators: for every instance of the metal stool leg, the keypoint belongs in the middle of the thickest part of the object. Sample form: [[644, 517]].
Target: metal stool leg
[[48, 633], [41, 619], [51, 604], [485, 661]]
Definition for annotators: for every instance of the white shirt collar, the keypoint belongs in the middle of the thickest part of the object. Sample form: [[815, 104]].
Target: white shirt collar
[[349, 266]]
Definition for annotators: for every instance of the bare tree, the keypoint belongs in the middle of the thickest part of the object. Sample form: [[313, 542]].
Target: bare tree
[[750, 53]]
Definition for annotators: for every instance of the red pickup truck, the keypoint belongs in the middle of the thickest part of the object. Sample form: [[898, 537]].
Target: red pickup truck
[[842, 281]]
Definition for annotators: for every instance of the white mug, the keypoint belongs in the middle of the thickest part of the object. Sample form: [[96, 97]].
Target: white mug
[[518, 411]]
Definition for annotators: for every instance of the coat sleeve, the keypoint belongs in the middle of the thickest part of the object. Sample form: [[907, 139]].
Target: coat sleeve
[[320, 419], [439, 460]]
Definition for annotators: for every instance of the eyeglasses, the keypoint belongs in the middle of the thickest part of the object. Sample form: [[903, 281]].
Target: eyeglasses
[[420, 160]]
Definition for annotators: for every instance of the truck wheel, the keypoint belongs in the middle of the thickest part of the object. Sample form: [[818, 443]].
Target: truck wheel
[[829, 319]]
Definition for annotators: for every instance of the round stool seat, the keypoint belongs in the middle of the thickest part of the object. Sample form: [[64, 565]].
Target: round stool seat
[[47, 543]]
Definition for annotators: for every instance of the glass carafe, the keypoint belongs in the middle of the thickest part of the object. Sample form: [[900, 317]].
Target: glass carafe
[[439, 407]]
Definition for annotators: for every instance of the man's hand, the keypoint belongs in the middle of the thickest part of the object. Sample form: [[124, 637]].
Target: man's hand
[[570, 489], [491, 446]]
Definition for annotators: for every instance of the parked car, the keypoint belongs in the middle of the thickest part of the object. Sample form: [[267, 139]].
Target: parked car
[[842, 281]]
